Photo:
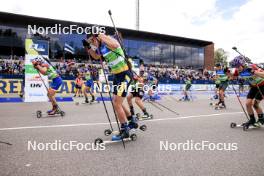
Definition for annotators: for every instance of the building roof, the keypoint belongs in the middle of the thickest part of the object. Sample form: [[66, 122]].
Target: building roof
[[12, 19]]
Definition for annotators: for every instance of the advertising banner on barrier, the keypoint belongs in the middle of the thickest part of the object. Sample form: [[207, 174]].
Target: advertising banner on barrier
[[35, 90], [14, 86]]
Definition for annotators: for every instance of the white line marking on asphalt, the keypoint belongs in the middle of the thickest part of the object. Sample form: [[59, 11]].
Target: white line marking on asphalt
[[97, 124]]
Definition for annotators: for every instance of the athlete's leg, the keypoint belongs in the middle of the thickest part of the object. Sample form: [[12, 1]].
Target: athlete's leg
[[91, 93], [185, 94], [85, 94], [55, 85], [121, 114], [140, 104], [51, 96], [222, 97], [130, 103], [249, 104], [256, 106]]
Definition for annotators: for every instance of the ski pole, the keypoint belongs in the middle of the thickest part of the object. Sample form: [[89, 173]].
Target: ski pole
[[166, 108], [155, 105], [101, 94], [120, 42], [119, 129], [240, 102], [7, 143]]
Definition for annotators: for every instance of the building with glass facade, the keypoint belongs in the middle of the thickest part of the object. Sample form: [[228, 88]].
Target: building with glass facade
[[152, 48]]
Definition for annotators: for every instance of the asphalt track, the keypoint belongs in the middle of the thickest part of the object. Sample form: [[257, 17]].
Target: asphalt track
[[197, 122]]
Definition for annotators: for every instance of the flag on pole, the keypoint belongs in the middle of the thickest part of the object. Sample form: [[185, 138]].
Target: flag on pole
[[68, 48]]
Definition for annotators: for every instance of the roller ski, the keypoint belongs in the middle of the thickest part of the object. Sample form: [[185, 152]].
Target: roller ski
[[146, 116], [246, 126], [51, 113], [131, 137], [133, 125], [90, 102], [185, 99], [218, 106], [126, 134], [87, 102]]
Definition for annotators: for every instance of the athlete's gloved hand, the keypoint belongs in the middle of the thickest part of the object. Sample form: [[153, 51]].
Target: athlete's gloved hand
[[252, 68], [86, 44], [35, 64]]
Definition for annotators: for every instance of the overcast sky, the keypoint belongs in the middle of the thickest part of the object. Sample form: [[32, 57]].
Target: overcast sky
[[225, 22]]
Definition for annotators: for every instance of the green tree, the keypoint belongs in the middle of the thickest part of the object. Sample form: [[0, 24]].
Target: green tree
[[220, 56]]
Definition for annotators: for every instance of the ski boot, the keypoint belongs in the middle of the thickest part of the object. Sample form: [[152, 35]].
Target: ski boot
[[133, 122], [93, 99], [55, 110], [124, 133], [250, 122], [187, 98], [260, 119], [146, 115], [222, 105], [86, 100], [217, 106]]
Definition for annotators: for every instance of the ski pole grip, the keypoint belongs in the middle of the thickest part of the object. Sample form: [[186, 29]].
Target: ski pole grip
[[234, 48], [109, 12]]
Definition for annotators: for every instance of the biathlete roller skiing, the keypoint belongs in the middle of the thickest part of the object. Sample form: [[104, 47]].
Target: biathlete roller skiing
[[89, 76], [216, 90], [137, 92], [101, 46], [221, 81], [43, 67], [251, 73], [187, 88], [152, 83]]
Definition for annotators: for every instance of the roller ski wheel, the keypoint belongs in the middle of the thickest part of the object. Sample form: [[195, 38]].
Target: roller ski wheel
[[133, 137], [39, 114], [50, 113], [219, 107], [62, 113], [148, 117], [98, 141], [143, 127], [233, 125], [107, 132], [94, 102], [245, 127], [133, 125]]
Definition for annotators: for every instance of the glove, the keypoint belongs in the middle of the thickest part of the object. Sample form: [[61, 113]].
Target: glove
[[35, 64], [86, 44]]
